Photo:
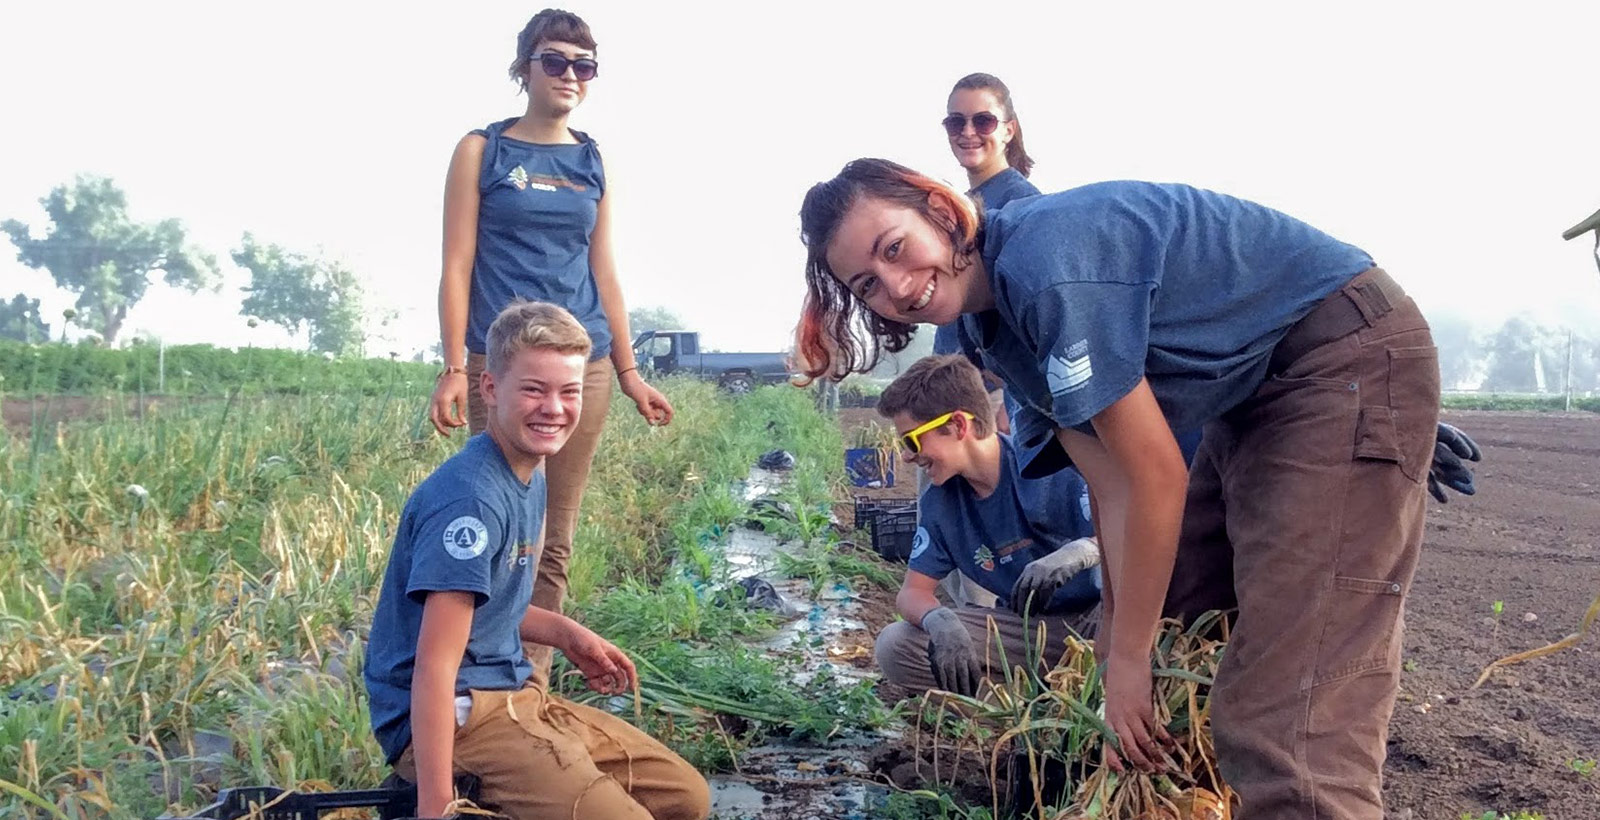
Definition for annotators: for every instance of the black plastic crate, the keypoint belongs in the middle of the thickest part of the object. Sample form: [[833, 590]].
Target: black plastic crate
[[892, 523], [395, 799]]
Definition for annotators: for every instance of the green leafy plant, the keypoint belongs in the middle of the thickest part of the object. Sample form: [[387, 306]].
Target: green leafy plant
[[1583, 766]]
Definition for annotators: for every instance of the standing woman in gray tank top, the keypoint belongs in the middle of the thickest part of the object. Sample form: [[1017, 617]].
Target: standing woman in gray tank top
[[527, 214]]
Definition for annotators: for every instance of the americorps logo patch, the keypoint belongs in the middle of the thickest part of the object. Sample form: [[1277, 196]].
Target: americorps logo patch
[[466, 538], [919, 544]]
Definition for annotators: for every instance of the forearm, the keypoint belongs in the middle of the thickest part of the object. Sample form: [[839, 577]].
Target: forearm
[[455, 288], [433, 736], [605, 280], [1144, 564], [914, 604], [541, 626]]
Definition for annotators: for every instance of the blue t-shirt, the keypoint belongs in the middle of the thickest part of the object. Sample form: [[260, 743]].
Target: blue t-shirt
[[993, 194], [1098, 286], [471, 526], [991, 539], [537, 210]]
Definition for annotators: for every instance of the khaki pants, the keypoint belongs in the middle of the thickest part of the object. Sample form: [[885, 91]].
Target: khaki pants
[[539, 756], [1305, 508], [902, 649], [566, 473]]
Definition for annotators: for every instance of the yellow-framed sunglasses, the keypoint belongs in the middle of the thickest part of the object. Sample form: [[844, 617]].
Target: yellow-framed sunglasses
[[911, 441]]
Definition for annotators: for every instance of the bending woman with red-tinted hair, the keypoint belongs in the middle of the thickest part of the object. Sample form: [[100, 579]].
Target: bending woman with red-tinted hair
[[1119, 312]]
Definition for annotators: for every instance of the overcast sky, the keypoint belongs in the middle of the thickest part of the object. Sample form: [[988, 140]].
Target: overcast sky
[[1454, 144]]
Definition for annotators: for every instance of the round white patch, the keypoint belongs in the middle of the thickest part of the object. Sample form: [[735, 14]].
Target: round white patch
[[466, 538], [919, 544]]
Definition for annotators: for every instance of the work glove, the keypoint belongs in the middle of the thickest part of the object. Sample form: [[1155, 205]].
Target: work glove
[[1448, 470], [1044, 576], [950, 652]]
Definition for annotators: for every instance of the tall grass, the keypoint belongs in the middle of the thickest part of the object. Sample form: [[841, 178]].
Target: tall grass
[[206, 568]]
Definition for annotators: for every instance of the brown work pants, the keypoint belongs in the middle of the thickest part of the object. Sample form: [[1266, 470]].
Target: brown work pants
[[539, 756], [902, 649], [1305, 509], [565, 474]]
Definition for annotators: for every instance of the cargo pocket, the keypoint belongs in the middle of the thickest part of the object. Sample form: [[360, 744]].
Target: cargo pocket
[[1414, 402], [1361, 628], [1377, 438]]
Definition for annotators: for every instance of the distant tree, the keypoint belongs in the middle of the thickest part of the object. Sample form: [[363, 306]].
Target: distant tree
[[303, 293], [93, 249], [645, 319], [20, 320], [1522, 353], [1460, 352]]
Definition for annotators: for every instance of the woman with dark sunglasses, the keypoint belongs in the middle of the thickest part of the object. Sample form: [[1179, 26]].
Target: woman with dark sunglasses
[[1121, 311], [986, 139], [528, 214]]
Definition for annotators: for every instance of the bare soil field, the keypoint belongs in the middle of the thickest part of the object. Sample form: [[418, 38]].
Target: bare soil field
[[1530, 538]]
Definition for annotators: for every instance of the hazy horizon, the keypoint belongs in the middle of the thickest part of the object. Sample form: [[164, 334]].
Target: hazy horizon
[[1453, 144]]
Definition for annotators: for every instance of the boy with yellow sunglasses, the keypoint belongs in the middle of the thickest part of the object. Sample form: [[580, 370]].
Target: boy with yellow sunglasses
[[1027, 542]]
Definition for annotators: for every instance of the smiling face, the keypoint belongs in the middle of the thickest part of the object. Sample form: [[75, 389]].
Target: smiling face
[[561, 94], [941, 453], [980, 154], [534, 405], [898, 263]]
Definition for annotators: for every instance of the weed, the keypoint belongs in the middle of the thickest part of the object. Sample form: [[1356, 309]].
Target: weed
[[1583, 766], [825, 564]]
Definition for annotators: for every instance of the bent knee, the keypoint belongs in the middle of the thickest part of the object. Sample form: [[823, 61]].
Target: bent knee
[[691, 801], [899, 647]]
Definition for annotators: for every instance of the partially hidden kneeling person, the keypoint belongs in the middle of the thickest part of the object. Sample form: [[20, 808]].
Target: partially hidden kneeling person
[[1027, 542], [446, 675]]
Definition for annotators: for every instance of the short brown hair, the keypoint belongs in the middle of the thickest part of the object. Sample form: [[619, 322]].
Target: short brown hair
[[936, 385], [547, 25], [526, 325]]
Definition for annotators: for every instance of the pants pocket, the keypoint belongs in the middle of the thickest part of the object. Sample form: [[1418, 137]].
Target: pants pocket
[[1361, 628], [1414, 402]]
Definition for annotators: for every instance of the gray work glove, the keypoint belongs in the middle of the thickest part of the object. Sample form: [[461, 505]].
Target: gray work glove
[[950, 652], [1448, 470], [1044, 576]]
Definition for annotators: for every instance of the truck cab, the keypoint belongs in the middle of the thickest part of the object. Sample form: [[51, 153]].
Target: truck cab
[[668, 352]]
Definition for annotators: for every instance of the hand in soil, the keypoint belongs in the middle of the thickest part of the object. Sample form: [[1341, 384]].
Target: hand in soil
[[950, 652], [1131, 715]]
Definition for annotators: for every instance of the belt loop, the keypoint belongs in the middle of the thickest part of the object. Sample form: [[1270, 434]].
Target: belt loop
[[1369, 298]]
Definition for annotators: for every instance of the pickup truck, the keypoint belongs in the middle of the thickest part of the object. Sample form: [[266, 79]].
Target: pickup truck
[[667, 352]]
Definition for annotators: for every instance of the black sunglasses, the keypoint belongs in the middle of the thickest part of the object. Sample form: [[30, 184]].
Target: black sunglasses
[[982, 122], [584, 68]]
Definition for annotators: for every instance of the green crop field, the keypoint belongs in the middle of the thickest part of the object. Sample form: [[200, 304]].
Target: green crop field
[[201, 573]]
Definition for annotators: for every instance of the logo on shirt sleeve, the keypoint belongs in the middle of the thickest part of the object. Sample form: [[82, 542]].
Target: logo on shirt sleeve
[[1068, 372], [466, 538], [919, 544]]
